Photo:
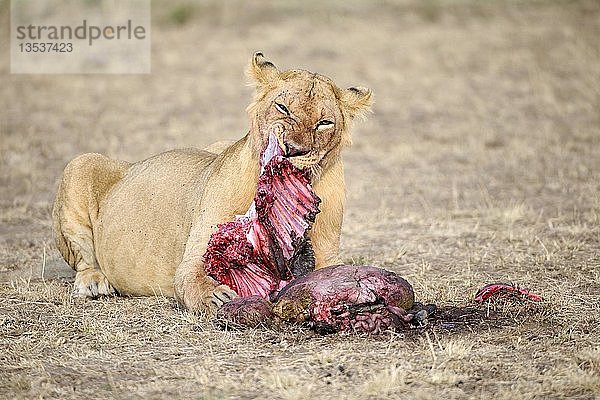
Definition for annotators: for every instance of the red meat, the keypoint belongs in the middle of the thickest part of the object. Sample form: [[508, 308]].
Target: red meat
[[261, 251], [342, 297]]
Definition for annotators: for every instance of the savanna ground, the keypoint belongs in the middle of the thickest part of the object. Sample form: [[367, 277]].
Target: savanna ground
[[480, 163]]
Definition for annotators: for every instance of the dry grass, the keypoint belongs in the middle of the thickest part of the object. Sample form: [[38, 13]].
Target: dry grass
[[480, 163]]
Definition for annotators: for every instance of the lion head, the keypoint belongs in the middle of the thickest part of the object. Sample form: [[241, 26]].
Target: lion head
[[307, 112]]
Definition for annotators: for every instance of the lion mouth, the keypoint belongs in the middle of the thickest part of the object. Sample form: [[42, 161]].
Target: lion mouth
[[294, 151], [299, 158]]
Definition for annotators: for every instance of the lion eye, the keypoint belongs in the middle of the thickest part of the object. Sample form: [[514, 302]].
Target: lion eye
[[324, 123], [282, 109]]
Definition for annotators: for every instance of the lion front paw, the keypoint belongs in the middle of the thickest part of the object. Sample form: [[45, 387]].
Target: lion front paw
[[220, 295], [204, 295], [92, 283]]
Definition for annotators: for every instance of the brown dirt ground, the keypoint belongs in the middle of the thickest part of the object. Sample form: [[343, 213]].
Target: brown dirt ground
[[480, 163]]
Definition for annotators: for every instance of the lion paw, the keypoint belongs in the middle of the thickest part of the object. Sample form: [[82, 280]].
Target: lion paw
[[92, 283], [220, 295], [202, 293]]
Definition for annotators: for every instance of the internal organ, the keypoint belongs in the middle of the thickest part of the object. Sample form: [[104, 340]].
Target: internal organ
[[338, 298]]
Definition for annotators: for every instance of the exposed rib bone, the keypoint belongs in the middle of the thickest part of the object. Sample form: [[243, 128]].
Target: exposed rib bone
[[258, 252]]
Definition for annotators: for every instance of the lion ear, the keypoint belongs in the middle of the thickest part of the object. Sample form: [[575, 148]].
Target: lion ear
[[262, 70], [357, 101]]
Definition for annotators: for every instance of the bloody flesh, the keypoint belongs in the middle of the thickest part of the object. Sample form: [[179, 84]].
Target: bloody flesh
[[506, 290], [265, 256], [261, 251], [342, 297]]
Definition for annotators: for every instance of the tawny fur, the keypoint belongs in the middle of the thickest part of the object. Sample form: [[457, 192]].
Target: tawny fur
[[143, 228]]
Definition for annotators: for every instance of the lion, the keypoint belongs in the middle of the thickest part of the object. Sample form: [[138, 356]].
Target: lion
[[142, 228]]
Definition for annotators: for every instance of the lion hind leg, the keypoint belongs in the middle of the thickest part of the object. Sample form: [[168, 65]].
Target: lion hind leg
[[85, 182]]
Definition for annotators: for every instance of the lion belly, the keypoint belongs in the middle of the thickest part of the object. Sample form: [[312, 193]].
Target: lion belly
[[144, 222]]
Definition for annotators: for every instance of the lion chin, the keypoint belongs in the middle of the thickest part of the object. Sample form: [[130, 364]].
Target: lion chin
[[142, 228]]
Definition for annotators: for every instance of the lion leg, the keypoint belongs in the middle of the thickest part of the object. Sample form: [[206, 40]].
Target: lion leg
[[195, 290], [85, 182]]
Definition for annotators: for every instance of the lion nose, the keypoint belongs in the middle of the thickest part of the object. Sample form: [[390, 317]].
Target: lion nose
[[292, 150]]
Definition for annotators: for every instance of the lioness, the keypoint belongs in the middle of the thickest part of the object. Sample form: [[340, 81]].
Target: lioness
[[143, 228]]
